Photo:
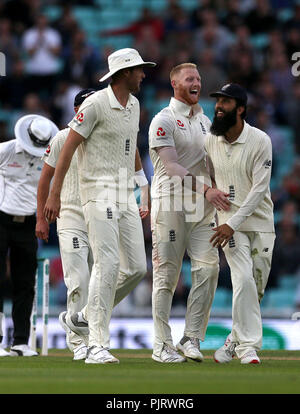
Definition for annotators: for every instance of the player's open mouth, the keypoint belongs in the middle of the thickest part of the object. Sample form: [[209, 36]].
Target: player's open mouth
[[220, 113], [194, 92]]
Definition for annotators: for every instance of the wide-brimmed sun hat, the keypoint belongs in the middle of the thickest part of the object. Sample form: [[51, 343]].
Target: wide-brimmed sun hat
[[34, 133], [122, 59]]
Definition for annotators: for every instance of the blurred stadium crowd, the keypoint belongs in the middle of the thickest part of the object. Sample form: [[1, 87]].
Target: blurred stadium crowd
[[55, 48]]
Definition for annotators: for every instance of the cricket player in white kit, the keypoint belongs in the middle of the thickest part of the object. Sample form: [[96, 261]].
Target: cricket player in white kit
[[106, 126], [75, 250], [242, 157], [176, 142]]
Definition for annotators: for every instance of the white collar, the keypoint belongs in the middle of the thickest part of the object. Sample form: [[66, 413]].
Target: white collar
[[183, 108], [241, 139], [113, 101]]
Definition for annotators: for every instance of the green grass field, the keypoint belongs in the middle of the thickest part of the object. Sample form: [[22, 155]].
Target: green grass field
[[137, 373]]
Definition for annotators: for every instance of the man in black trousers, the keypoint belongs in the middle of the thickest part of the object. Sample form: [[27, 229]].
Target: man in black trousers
[[20, 170]]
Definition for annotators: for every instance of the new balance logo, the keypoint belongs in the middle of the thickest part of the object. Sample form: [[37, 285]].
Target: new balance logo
[[109, 213], [267, 164], [127, 147], [172, 235], [231, 193], [266, 249], [75, 243], [231, 243]]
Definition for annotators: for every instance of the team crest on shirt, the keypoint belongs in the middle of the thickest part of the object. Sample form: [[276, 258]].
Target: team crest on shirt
[[160, 132]]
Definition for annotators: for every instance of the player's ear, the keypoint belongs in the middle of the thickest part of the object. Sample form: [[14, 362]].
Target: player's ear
[[173, 83], [240, 110]]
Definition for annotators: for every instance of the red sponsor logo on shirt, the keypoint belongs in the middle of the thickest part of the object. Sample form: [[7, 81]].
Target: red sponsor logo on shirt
[[179, 123], [48, 150], [160, 132], [79, 117], [15, 164]]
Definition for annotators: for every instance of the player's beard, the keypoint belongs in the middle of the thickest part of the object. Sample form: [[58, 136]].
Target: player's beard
[[220, 126]]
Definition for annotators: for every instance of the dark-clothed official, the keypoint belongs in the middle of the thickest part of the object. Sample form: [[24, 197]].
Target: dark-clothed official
[[20, 170]]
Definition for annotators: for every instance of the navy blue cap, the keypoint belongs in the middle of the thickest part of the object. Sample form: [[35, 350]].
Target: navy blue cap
[[232, 90], [80, 97]]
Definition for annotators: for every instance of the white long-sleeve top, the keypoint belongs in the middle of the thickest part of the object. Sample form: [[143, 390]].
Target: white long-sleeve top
[[19, 177], [243, 169]]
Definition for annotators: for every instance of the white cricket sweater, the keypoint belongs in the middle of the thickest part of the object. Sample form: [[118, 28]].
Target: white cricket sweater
[[243, 169], [106, 158]]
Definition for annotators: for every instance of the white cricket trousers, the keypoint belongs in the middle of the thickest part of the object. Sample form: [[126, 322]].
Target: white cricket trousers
[[77, 261], [249, 256], [114, 230], [171, 237]]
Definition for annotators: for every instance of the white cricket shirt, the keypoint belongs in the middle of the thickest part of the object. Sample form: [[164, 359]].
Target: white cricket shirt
[[71, 214], [243, 169], [173, 126], [106, 158], [19, 177]]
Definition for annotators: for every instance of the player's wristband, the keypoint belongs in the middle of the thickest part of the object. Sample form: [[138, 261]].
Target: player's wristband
[[208, 188], [140, 178]]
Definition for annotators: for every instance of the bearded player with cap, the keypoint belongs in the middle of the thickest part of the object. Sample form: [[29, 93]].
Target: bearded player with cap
[[20, 170], [106, 126], [242, 157]]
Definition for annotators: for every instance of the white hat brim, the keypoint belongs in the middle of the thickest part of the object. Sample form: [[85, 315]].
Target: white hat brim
[[112, 72], [23, 138]]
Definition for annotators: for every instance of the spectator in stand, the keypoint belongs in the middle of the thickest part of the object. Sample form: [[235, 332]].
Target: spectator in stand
[[241, 70], [14, 86], [233, 16], [294, 21], [66, 25], [281, 75], [21, 13], [292, 183], [81, 60], [286, 252], [43, 45], [214, 36], [261, 19], [212, 75], [264, 123], [8, 44], [147, 20], [292, 106], [63, 102]]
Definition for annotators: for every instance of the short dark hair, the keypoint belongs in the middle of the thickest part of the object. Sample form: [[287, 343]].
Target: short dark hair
[[119, 74], [241, 103]]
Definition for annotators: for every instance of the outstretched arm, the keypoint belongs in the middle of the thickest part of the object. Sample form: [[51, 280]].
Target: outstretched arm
[[52, 207], [42, 225], [169, 158]]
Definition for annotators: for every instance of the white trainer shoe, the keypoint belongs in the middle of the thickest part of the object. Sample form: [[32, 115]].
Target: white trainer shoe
[[3, 353], [191, 349], [22, 350], [168, 354], [225, 354], [99, 355], [250, 358], [80, 352], [78, 324]]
